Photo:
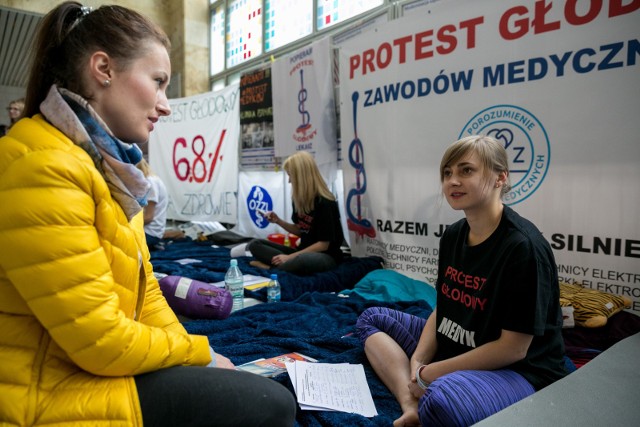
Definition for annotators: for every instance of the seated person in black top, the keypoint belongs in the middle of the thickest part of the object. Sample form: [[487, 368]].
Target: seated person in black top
[[315, 219], [494, 337]]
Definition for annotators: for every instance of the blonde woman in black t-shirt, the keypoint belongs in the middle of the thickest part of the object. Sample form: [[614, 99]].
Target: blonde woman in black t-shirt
[[315, 219], [495, 335]]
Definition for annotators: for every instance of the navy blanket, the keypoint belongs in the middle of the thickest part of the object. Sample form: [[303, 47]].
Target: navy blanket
[[214, 262], [316, 324]]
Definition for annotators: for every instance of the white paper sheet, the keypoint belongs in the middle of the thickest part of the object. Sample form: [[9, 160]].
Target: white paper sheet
[[329, 386]]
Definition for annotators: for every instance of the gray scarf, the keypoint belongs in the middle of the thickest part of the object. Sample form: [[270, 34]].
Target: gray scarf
[[115, 160]]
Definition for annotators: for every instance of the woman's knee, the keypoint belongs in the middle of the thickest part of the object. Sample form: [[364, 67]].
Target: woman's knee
[[252, 244], [280, 407], [310, 263], [366, 325]]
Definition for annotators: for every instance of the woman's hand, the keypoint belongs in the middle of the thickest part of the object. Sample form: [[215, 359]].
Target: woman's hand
[[414, 364], [280, 259], [223, 362], [272, 217], [414, 385], [415, 390]]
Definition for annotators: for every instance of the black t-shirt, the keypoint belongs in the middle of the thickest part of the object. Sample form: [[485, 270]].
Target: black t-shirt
[[509, 281], [322, 224]]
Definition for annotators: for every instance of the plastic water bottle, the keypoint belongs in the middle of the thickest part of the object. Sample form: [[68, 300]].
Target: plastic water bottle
[[273, 289], [234, 283]]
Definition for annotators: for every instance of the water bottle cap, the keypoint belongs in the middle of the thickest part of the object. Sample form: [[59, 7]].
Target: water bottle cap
[[234, 262], [274, 276]]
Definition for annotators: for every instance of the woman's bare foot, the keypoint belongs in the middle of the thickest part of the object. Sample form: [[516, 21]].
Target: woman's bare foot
[[259, 264], [408, 419]]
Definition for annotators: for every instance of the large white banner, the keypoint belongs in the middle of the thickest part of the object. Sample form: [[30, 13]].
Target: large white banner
[[303, 104], [557, 82], [195, 152]]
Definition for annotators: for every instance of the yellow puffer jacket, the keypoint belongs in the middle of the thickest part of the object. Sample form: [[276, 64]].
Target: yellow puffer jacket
[[78, 316]]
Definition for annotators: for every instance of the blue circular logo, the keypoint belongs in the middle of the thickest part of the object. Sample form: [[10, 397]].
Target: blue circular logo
[[258, 203], [526, 142]]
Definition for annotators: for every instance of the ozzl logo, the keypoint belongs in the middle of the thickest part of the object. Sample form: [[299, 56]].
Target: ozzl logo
[[526, 142], [259, 200]]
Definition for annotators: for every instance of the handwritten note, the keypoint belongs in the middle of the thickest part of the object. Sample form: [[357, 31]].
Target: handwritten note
[[327, 386]]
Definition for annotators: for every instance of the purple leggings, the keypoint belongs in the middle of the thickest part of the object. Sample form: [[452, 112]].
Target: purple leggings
[[460, 398]]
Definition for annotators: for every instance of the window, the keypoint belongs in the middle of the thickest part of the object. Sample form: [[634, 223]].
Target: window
[[286, 21], [217, 39], [245, 31], [414, 6], [330, 12]]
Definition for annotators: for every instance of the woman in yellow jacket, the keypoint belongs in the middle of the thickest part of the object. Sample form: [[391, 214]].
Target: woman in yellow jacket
[[86, 337]]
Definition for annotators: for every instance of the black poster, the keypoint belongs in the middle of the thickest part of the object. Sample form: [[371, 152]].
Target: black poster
[[256, 121]]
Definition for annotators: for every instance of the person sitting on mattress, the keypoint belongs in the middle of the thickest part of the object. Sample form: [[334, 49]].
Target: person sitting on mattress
[[315, 218], [494, 337], [87, 337], [155, 212]]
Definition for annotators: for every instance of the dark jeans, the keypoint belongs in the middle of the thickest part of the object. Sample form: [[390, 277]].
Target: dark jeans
[[193, 396], [307, 263]]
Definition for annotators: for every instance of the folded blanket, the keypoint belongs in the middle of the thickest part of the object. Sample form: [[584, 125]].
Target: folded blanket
[[389, 285]]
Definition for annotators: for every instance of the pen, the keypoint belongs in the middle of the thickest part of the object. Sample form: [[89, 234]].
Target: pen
[[348, 335]]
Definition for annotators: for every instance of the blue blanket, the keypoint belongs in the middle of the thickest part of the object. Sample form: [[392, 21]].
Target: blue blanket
[[316, 324], [311, 319], [214, 262]]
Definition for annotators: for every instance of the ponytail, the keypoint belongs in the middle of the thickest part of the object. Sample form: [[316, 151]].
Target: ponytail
[[45, 61], [70, 33]]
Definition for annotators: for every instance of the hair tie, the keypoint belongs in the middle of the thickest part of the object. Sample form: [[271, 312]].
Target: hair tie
[[84, 11]]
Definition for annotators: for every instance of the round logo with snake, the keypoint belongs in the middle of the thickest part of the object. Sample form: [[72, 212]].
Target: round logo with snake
[[526, 142], [259, 202]]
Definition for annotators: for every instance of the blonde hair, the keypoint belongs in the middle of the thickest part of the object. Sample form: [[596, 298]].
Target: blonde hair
[[492, 154], [19, 103], [306, 181]]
